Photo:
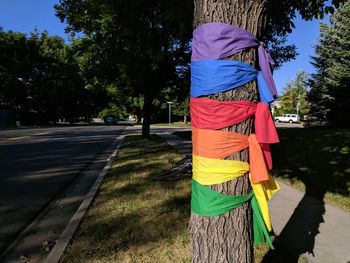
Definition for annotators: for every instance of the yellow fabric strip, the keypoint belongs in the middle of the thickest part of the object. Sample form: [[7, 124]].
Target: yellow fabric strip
[[264, 192], [208, 171]]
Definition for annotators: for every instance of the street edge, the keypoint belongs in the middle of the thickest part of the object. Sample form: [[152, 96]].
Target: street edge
[[41, 214], [61, 244]]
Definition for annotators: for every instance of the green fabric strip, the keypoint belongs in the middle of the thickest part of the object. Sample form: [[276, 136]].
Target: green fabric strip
[[207, 202], [260, 231]]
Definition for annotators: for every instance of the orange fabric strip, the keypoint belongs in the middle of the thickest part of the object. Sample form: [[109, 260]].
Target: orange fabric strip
[[220, 144]]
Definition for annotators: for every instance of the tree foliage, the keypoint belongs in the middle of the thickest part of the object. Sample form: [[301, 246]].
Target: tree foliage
[[280, 14], [143, 42], [294, 95], [330, 85], [40, 78], [182, 108]]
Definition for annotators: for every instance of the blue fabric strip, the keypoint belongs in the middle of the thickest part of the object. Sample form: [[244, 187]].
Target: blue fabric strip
[[212, 76]]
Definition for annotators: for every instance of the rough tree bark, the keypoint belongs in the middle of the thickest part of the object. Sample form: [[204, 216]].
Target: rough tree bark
[[229, 237]]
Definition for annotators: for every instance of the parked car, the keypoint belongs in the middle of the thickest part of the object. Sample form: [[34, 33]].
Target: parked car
[[110, 119], [288, 118]]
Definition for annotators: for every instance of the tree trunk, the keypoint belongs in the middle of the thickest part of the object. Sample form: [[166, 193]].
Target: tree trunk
[[229, 237], [146, 117], [185, 119]]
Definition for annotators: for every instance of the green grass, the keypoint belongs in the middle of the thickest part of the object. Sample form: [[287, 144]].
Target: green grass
[[314, 160], [317, 161], [134, 219]]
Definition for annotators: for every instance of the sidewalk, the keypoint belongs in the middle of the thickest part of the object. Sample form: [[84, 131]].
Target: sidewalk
[[320, 232]]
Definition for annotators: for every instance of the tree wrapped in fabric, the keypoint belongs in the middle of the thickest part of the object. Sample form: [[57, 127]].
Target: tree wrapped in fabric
[[229, 236]]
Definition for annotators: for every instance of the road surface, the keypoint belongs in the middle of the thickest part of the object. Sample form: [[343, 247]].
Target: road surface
[[37, 164]]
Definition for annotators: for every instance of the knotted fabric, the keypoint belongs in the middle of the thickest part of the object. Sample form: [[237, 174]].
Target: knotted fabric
[[220, 144], [213, 76], [210, 75], [207, 171], [207, 202], [218, 41], [213, 114]]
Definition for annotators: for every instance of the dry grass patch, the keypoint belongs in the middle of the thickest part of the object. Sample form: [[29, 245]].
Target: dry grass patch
[[132, 218]]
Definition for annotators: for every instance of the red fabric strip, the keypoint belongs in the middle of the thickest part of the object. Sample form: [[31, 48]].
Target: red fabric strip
[[213, 114]]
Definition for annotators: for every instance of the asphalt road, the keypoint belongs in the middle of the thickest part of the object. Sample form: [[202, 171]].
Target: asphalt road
[[37, 164]]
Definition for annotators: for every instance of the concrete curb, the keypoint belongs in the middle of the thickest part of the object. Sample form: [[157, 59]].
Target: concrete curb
[[61, 244]]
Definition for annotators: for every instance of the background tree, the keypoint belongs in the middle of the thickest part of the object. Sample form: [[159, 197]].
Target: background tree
[[294, 95], [330, 94], [149, 39], [13, 91], [229, 238], [40, 78], [182, 108]]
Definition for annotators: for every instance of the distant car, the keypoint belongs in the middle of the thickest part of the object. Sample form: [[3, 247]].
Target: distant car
[[110, 119], [288, 118]]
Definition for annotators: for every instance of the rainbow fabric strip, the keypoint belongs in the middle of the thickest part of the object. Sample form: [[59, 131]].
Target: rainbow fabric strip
[[210, 75]]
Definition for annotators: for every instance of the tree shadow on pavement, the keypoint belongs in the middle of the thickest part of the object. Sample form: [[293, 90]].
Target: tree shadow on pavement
[[317, 161], [298, 235]]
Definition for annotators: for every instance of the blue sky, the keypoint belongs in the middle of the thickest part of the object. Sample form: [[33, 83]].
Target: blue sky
[[24, 15], [303, 36]]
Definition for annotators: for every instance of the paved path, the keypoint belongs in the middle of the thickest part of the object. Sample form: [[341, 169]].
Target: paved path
[[286, 125], [320, 232]]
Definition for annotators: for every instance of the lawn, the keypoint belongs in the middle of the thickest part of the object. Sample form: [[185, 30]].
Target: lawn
[[314, 160], [317, 161], [134, 219]]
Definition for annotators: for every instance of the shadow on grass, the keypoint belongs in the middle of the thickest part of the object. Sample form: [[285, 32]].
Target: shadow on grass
[[187, 135], [317, 161]]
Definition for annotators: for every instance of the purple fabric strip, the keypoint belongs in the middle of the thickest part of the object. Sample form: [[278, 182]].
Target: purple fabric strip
[[218, 40]]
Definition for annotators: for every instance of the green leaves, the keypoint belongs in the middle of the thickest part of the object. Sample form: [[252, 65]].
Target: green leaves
[[39, 75], [330, 85], [295, 94], [281, 13]]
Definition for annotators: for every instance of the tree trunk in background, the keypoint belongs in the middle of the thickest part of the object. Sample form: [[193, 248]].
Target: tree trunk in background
[[229, 237], [146, 112]]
